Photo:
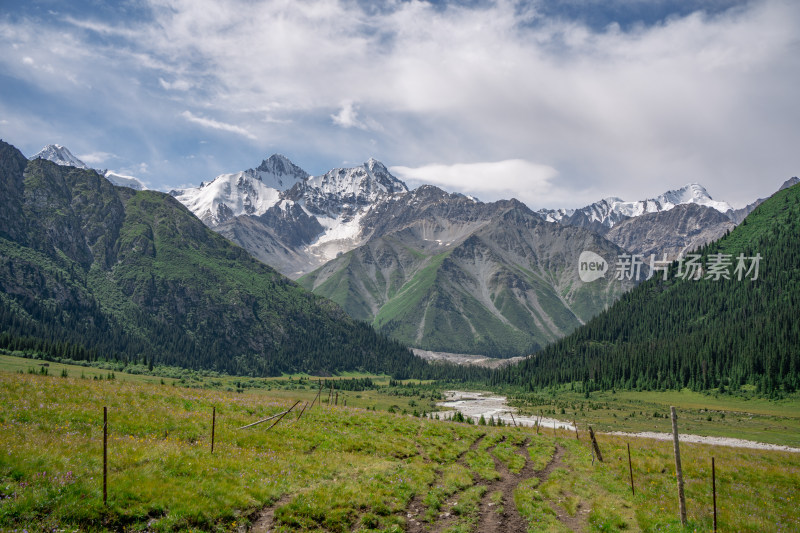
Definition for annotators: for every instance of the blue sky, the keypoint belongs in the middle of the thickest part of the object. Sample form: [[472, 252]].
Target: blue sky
[[555, 103]]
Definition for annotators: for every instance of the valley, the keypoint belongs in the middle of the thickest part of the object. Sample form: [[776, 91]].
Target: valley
[[489, 295], [416, 266]]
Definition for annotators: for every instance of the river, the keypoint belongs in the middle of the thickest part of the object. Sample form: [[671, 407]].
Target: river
[[475, 404]]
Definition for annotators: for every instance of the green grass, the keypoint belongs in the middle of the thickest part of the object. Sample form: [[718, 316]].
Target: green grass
[[413, 292], [532, 505], [335, 469], [505, 452]]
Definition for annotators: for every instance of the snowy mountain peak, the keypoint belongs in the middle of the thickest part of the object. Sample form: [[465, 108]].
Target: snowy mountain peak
[[249, 192], [59, 155], [357, 184], [382, 175], [693, 193], [286, 172], [609, 211]]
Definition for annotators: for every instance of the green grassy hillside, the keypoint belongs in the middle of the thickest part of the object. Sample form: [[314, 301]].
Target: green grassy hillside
[[93, 271]]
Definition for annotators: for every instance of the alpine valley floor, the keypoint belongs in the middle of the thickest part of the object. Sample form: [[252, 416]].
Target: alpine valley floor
[[342, 468]]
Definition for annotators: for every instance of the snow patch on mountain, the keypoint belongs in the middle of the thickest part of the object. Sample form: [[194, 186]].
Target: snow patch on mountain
[[60, 155], [121, 180], [341, 235], [340, 199], [229, 195]]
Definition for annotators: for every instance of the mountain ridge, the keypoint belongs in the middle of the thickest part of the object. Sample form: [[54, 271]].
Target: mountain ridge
[[411, 261], [602, 215]]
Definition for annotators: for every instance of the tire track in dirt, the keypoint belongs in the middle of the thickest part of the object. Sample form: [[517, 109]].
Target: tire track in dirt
[[265, 519], [485, 510], [509, 520], [447, 518], [574, 523], [417, 508]]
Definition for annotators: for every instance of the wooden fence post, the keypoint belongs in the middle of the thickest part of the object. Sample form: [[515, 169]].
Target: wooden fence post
[[301, 412], [105, 455], [630, 469], [595, 447], [512, 418], [317, 396], [678, 469], [281, 415], [574, 423], [213, 425], [714, 492]]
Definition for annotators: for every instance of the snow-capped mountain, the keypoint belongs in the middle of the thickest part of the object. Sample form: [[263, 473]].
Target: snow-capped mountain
[[317, 219], [605, 214], [121, 180], [338, 201], [60, 155], [249, 192], [348, 190]]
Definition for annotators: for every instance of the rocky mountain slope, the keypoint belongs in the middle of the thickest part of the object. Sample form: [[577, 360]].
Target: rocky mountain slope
[[443, 272], [670, 234], [90, 270]]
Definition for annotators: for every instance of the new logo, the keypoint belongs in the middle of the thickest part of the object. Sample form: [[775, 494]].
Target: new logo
[[591, 266]]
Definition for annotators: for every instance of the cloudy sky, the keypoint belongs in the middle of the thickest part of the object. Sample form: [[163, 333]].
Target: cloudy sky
[[557, 103]]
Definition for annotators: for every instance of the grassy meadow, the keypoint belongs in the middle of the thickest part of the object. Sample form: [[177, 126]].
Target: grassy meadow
[[340, 468]]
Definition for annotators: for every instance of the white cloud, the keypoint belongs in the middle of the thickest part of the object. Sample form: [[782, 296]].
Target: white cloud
[[347, 117], [217, 125], [524, 180], [177, 85], [96, 158], [706, 98]]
